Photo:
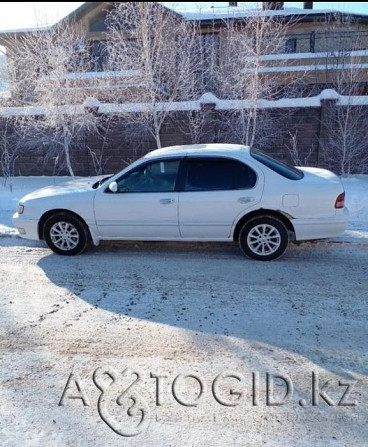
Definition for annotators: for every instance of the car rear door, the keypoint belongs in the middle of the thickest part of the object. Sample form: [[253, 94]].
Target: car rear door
[[215, 192]]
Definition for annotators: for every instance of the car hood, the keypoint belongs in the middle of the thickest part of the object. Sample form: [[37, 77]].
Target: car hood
[[71, 187]]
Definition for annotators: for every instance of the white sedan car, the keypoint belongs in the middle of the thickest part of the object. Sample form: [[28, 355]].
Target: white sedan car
[[211, 192]]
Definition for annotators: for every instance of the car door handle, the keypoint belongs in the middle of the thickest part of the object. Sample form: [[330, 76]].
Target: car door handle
[[245, 199], [166, 201]]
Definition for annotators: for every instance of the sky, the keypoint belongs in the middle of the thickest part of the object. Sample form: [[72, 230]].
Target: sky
[[30, 14]]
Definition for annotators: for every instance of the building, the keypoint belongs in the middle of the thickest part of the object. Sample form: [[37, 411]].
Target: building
[[304, 79], [317, 43]]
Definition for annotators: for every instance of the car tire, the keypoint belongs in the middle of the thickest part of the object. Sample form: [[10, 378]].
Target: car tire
[[65, 235], [263, 238]]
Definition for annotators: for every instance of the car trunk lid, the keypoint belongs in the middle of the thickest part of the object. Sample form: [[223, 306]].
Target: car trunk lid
[[321, 189]]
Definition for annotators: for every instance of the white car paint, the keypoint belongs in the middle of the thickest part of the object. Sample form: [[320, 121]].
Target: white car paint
[[73, 196], [148, 216], [210, 215], [309, 204]]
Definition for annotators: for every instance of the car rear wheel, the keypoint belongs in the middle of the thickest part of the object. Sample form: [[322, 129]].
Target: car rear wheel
[[263, 238], [65, 234]]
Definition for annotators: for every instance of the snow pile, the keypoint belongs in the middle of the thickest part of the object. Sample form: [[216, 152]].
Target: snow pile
[[356, 188], [357, 197]]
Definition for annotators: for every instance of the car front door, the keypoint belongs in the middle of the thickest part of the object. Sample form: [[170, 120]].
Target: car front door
[[216, 191], [144, 206]]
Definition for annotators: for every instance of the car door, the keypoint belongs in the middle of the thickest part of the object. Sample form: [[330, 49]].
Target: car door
[[144, 206], [216, 191]]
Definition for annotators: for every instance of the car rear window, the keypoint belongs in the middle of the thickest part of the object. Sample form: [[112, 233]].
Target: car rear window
[[221, 174], [287, 171]]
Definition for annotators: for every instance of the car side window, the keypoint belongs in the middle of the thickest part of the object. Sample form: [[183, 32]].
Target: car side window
[[151, 177], [214, 174]]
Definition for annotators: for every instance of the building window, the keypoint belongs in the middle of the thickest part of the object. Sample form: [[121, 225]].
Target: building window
[[290, 46], [98, 55], [205, 55], [98, 23]]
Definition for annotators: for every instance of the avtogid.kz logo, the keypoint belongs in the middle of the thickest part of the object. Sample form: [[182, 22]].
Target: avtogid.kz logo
[[119, 405], [123, 408]]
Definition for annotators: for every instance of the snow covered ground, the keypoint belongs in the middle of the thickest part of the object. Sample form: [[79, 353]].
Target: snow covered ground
[[200, 324], [173, 311], [356, 188]]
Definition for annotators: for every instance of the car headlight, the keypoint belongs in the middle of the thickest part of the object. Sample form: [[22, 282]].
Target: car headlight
[[20, 209]]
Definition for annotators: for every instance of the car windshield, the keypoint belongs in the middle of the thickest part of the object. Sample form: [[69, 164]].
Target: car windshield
[[284, 169]]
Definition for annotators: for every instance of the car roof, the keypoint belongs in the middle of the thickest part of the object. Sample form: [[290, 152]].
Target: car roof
[[200, 149]]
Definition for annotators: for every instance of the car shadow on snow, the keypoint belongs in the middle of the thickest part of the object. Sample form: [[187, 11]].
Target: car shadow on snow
[[311, 302]]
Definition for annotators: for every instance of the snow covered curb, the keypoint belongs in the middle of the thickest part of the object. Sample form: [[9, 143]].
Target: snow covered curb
[[356, 200]]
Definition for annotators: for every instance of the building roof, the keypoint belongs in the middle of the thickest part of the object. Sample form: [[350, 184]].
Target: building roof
[[220, 13], [208, 15], [82, 10], [90, 6]]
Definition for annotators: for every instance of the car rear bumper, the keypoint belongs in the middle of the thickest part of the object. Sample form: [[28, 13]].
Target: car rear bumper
[[28, 228], [321, 228]]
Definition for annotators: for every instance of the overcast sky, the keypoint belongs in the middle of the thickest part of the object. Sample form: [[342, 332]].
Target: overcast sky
[[20, 14]]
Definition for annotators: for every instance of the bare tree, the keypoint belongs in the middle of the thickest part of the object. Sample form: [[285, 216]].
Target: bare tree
[[194, 125], [245, 76], [3, 72], [200, 57], [48, 74], [4, 84], [345, 142], [295, 153], [156, 45], [98, 160], [9, 149]]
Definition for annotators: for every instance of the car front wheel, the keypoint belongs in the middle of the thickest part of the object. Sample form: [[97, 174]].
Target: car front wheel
[[65, 234], [263, 238]]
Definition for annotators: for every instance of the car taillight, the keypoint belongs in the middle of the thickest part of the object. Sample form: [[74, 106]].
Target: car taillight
[[340, 201]]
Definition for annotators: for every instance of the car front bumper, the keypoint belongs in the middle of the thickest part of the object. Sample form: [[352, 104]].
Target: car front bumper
[[28, 228]]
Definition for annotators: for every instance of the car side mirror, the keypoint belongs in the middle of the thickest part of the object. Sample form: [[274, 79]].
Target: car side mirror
[[113, 187]]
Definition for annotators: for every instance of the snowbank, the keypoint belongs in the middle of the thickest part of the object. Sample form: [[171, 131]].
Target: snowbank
[[356, 188]]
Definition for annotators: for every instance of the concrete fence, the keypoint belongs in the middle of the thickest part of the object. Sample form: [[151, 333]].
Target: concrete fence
[[305, 119]]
